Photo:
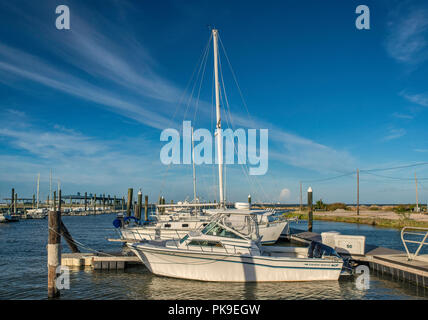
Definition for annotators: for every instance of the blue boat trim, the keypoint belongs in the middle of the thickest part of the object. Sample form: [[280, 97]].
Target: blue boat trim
[[256, 264]]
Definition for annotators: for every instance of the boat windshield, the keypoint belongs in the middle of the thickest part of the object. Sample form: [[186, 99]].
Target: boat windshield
[[219, 231]]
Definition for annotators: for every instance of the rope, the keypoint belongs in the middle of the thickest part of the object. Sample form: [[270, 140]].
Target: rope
[[81, 245]]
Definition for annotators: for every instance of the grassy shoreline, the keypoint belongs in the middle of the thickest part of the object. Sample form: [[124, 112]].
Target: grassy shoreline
[[378, 222]]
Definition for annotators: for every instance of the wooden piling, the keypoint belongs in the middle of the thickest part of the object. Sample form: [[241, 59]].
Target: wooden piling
[[67, 236], [146, 208], [129, 204], [54, 200], [310, 214], [95, 203], [12, 201], [86, 201], [54, 252], [34, 200], [59, 200], [139, 205], [249, 201]]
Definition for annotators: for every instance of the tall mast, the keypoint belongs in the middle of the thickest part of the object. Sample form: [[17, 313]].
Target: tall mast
[[218, 125], [38, 188], [194, 172]]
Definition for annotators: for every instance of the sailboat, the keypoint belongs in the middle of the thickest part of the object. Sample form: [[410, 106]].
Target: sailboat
[[182, 218], [229, 248]]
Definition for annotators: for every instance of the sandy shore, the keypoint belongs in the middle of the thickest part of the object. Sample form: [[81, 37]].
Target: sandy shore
[[380, 214]]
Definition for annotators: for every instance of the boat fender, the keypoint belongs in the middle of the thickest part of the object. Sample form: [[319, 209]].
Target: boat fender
[[117, 223]]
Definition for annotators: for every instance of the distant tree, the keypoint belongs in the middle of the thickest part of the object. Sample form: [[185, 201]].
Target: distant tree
[[319, 205]]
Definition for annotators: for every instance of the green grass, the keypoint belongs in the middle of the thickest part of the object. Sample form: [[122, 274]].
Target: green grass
[[378, 222]]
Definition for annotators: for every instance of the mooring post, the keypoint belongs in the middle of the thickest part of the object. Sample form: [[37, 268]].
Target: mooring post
[[146, 208], [16, 203], [123, 203], [95, 203], [310, 215], [54, 251], [12, 201], [86, 201], [129, 204], [59, 200], [34, 200], [54, 200], [104, 202], [139, 204], [249, 201]]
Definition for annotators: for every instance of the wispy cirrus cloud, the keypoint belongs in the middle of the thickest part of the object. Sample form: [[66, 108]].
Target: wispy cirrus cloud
[[418, 98], [394, 134], [75, 157], [402, 116], [407, 38]]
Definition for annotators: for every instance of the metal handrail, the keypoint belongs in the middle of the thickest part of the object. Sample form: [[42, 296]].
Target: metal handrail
[[421, 243]]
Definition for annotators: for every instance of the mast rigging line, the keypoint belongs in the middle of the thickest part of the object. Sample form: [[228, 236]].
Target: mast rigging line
[[199, 64], [230, 123]]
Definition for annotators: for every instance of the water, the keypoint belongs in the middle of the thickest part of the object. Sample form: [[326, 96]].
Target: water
[[23, 270]]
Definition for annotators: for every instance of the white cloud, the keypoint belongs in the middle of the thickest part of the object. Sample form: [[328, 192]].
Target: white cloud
[[284, 194], [420, 99], [394, 134], [406, 41], [402, 116]]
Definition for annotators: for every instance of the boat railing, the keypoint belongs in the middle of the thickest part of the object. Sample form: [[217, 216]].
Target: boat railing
[[420, 232]]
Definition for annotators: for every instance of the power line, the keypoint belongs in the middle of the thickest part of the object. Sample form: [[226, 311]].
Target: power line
[[398, 167], [331, 178], [395, 178]]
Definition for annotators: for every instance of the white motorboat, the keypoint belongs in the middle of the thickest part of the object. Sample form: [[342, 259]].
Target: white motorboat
[[177, 226], [224, 251], [39, 213]]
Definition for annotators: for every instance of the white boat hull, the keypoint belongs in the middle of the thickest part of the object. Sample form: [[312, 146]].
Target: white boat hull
[[234, 268], [269, 234]]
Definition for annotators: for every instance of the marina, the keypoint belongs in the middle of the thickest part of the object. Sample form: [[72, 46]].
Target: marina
[[25, 276], [213, 151]]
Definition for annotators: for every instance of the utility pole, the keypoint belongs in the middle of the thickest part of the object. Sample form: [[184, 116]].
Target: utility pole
[[358, 191], [301, 201], [417, 204]]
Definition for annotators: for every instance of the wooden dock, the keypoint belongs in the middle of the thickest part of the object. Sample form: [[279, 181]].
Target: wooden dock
[[382, 260], [100, 261]]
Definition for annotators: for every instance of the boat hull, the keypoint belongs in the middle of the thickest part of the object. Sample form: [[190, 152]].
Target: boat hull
[[234, 268]]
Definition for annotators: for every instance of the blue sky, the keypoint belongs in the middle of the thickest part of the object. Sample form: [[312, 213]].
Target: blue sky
[[90, 102]]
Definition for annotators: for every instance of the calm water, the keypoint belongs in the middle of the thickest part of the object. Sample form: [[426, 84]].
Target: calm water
[[23, 271]]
